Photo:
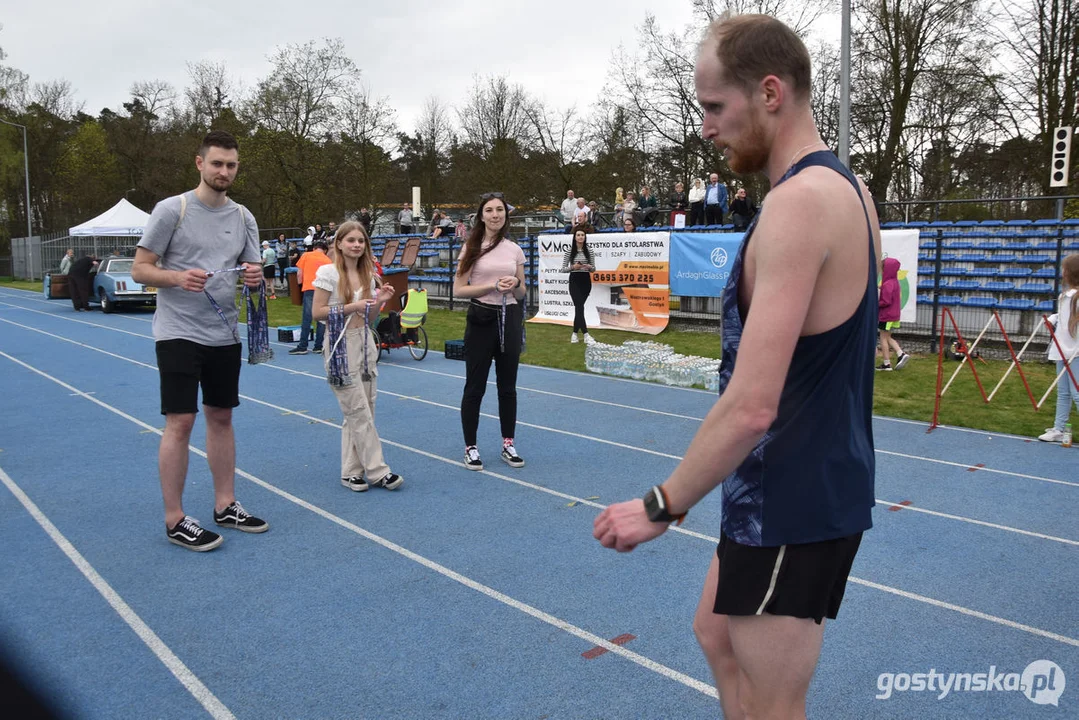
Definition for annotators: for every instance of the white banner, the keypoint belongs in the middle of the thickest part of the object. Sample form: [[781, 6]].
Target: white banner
[[903, 246], [629, 286]]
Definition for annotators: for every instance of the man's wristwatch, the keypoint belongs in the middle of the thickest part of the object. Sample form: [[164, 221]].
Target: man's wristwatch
[[657, 508]]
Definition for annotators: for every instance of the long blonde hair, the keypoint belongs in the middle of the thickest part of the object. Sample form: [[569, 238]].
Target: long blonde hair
[[365, 265], [1069, 271]]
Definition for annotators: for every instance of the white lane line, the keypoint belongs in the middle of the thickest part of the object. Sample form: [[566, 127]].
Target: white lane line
[[156, 645], [583, 501], [302, 414], [592, 639], [972, 521], [967, 466]]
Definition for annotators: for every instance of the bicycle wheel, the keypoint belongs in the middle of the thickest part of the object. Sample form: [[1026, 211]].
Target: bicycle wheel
[[381, 347], [418, 348]]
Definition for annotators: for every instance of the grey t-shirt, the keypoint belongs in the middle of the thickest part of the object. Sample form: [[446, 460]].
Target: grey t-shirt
[[207, 239]]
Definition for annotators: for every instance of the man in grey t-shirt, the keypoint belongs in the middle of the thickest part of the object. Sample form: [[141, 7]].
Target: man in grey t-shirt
[[188, 239]]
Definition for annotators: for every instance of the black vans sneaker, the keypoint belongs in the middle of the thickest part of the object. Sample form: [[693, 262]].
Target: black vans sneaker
[[234, 516], [355, 483], [189, 534], [390, 482], [472, 458], [511, 458]]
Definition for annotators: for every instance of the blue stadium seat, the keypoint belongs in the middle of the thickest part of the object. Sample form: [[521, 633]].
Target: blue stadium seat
[[925, 255], [953, 272], [1015, 304], [891, 225], [949, 300], [1015, 273], [1045, 272], [977, 301], [959, 245], [998, 286], [989, 245], [983, 272], [1003, 257], [949, 257], [974, 257], [1035, 288], [1017, 245], [1034, 259], [961, 285], [927, 245], [925, 283], [1049, 306], [925, 269]]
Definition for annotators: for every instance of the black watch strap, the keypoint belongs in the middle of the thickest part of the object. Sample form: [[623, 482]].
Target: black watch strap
[[657, 507]]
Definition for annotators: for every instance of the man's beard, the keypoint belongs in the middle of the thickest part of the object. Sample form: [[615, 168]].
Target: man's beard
[[219, 184], [752, 155]]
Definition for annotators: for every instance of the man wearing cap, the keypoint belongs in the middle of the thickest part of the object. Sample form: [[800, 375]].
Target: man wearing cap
[[269, 267]]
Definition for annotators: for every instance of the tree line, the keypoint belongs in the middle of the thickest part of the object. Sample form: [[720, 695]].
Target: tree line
[[951, 99]]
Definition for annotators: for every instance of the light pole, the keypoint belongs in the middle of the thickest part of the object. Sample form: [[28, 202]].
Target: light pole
[[26, 168], [844, 84]]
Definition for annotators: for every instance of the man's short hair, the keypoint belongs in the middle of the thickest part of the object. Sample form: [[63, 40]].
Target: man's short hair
[[218, 138], [321, 245], [751, 47]]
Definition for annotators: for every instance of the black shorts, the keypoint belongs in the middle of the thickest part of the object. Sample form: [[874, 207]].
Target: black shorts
[[184, 365], [269, 272], [802, 581]]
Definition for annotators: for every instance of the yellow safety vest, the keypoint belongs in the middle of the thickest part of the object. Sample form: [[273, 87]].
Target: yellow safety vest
[[415, 309]]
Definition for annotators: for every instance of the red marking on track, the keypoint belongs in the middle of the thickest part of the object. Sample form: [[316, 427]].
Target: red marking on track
[[972, 469], [897, 507], [597, 651]]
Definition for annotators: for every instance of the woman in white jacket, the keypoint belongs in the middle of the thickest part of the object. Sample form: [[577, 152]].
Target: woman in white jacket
[[1067, 337], [696, 203]]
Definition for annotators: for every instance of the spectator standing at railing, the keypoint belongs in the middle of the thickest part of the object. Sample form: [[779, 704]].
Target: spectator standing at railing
[[569, 205], [1067, 335], [365, 220], [648, 206], [269, 268], [404, 219], [581, 213], [696, 203], [593, 213], [66, 261], [678, 202], [743, 209], [629, 208], [715, 201], [282, 260]]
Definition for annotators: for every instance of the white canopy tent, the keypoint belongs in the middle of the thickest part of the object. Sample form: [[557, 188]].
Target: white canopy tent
[[121, 220]]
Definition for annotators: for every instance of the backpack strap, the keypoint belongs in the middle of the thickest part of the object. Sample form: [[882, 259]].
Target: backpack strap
[[183, 211]]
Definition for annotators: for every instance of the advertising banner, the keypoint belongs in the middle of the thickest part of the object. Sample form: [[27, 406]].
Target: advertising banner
[[630, 288], [701, 262]]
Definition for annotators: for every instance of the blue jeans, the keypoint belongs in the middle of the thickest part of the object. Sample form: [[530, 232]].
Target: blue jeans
[[305, 323], [1066, 394]]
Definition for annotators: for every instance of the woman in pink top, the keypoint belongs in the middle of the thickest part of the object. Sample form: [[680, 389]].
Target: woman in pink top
[[490, 272]]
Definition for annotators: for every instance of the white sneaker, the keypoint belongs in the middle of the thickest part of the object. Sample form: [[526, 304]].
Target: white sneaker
[[1052, 435], [573, 337], [588, 339]]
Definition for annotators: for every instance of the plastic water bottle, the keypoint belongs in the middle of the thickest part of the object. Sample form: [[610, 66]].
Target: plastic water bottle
[[1067, 440]]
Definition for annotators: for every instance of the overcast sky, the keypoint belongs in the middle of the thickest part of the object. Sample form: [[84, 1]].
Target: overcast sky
[[407, 49]]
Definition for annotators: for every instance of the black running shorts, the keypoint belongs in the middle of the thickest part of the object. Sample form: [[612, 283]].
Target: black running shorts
[[184, 365], [802, 581]]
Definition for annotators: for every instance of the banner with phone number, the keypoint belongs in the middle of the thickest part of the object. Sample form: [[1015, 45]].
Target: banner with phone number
[[630, 288]]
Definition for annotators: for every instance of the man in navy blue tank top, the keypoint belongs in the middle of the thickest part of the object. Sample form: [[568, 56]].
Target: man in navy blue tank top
[[790, 440]]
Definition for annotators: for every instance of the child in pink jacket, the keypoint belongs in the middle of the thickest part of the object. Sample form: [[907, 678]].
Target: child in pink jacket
[[888, 314]]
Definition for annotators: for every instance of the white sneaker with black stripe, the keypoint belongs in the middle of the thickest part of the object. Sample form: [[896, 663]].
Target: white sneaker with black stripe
[[189, 534]]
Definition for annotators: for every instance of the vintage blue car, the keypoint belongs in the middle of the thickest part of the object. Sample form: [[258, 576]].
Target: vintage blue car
[[112, 285]]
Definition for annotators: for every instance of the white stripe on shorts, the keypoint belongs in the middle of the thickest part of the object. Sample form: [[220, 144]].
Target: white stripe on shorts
[[772, 584]]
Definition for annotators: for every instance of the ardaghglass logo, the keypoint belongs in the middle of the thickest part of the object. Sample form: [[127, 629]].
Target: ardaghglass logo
[[1042, 682], [719, 257]]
